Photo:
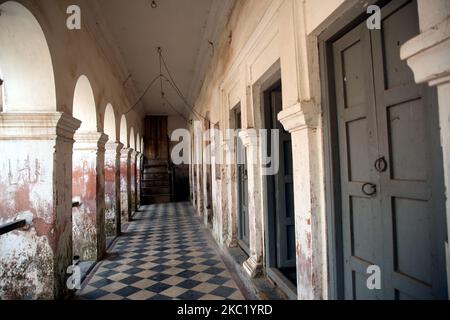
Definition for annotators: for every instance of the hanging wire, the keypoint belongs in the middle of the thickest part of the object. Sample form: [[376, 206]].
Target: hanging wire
[[143, 95], [170, 79], [173, 83]]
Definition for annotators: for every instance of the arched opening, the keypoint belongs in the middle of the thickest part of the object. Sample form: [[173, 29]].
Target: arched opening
[[133, 170], [125, 188], [25, 62], [87, 179], [132, 139], [138, 143], [138, 170], [27, 87], [124, 132], [112, 186], [84, 108], [109, 123]]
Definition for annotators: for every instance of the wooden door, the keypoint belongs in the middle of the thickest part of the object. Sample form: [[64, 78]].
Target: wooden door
[[390, 163], [281, 191], [156, 138]]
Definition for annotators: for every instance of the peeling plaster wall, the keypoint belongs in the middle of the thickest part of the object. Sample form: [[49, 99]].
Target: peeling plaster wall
[[260, 38], [36, 169], [133, 182], [26, 186], [35, 185], [84, 218], [124, 185], [110, 193]]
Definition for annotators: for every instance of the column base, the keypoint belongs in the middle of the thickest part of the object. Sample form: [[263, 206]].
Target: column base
[[253, 268], [231, 243]]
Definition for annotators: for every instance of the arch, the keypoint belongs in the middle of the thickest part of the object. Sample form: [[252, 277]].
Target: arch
[[25, 62], [84, 108], [132, 139], [124, 131], [109, 124], [138, 143]]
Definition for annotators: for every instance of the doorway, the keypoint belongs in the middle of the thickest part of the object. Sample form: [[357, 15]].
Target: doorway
[[387, 160], [242, 184], [280, 220]]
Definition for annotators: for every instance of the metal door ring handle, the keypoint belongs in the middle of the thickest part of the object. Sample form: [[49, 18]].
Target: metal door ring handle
[[373, 189], [381, 164]]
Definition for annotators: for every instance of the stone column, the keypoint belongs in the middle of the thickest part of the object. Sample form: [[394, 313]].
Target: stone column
[[428, 55], [133, 159], [138, 180], [88, 187], [230, 197], [306, 160], [36, 185], [112, 189], [125, 184], [254, 265]]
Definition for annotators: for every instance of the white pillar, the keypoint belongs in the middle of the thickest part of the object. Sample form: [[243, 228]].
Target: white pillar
[[112, 188], [428, 55], [254, 265], [36, 185], [88, 185]]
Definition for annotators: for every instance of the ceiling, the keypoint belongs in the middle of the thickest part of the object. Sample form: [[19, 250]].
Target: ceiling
[[182, 28]]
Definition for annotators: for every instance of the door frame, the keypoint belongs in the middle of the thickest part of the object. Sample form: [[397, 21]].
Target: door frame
[[349, 19], [270, 214], [240, 185]]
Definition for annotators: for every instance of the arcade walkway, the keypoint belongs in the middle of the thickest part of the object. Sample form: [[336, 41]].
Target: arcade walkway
[[164, 254]]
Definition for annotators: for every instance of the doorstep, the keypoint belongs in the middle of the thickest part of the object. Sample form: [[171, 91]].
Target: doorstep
[[260, 288]]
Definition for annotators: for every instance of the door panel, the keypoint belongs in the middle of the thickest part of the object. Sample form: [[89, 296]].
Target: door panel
[[413, 240], [156, 138], [361, 217], [280, 236], [386, 126], [284, 190]]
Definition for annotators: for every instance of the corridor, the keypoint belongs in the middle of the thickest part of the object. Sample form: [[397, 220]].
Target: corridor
[[165, 254], [224, 149]]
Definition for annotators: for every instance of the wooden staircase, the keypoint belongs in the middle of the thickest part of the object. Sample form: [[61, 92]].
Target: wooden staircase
[[155, 183]]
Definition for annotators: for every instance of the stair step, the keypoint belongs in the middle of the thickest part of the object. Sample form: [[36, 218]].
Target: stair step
[[155, 190], [156, 176], [154, 183], [156, 163], [155, 170], [161, 198]]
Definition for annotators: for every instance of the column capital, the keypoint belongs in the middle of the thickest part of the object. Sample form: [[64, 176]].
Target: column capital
[[90, 141], [37, 126], [428, 54], [114, 147], [134, 153], [126, 152], [299, 117], [250, 137]]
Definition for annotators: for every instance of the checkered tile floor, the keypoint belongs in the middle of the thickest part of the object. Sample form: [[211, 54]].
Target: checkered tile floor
[[164, 255]]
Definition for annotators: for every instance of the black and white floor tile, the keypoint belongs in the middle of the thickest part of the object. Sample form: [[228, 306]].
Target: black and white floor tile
[[163, 255]]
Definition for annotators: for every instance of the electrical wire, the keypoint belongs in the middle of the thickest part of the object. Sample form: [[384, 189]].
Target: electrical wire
[[170, 79], [143, 95], [178, 91]]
